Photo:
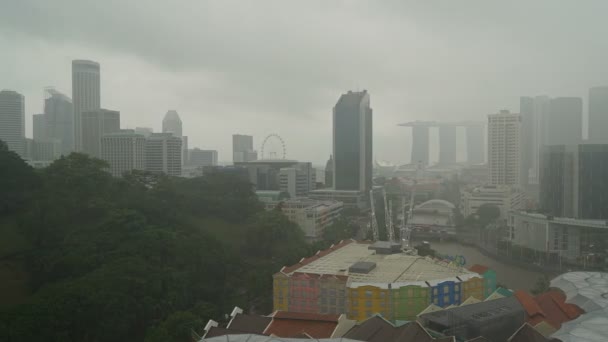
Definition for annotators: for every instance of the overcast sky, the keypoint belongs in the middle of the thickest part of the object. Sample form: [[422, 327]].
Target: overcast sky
[[261, 67]]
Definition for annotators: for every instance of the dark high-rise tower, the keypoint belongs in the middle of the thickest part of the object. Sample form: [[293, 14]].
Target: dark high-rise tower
[[85, 94], [598, 113], [420, 145], [564, 124], [574, 181], [352, 142], [12, 120]]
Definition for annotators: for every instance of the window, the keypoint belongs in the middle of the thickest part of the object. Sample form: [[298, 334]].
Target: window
[[368, 294], [368, 303]]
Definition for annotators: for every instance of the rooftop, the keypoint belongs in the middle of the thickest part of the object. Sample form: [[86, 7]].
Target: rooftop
[[292, 324], [390, 268]]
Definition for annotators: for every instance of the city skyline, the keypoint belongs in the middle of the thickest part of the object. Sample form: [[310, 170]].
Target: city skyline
[[211, 91]]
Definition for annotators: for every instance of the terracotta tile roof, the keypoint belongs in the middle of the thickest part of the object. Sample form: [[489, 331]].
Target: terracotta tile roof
[[534, 313], [251, 324], [556, 310], [549, 306], [292, 328], [377, 329], [319, 254], [477, 268]]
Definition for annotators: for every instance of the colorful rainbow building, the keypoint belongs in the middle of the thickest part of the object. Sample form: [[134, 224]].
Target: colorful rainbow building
[[363, 279]]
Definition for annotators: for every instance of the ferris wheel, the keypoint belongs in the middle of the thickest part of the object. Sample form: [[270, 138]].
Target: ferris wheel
[[273, 154]]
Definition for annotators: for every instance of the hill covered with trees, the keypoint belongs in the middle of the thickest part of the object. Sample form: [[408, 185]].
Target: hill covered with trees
[[140, 258]]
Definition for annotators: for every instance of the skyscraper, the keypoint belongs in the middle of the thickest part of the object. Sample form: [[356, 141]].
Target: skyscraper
[[534, 112], [12, 120], [447, 144], [504, 149], [163, 154], [574, 181], [564, 122], [329, 172], [242, 148], [39, 127], [598, 113], [198, 157], [172, 123], [475, 144], [124, 151], [298, 179], [352, 142], [85, 93], [420, 144], [59, 117], [95, 124]]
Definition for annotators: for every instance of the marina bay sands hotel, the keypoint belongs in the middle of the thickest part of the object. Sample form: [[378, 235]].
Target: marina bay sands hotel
[[447, 141]]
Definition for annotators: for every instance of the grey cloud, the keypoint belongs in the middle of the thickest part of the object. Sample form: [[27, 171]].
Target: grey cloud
[[277, 60]]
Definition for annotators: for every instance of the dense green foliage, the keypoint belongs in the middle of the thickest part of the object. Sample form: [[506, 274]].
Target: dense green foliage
[[145, 257]]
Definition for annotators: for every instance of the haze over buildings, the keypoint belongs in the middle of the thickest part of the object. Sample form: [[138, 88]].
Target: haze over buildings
[[210, 89], [86, 94]]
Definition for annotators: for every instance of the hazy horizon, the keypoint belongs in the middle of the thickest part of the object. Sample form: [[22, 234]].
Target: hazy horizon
[[279, 67]]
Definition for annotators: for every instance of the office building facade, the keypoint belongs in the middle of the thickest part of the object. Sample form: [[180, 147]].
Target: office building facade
[[297, 180], [59, 117], [598, 113], [504, 148], [172, 123], [124, 151], [145, 131], [12, 120], [574, 181], [198, 157], [86, 94], [42, 150], [242, 148], [564, 122], [163, 154], [95, 124], [352, 142]]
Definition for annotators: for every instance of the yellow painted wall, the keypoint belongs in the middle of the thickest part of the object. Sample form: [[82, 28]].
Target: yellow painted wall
[[365, 301], [473, 287], [280, 292]]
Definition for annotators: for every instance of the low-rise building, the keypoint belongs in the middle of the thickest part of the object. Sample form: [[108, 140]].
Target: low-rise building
[[362, 279], [163, 154], [198, 157], [124, 151], [505, 197], [350, 198], [313, 216], [556, 239], [297, 180]]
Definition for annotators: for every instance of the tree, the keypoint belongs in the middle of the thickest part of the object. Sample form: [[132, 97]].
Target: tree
[[18, 181], [488, 213], [542, 285], [341, 229]]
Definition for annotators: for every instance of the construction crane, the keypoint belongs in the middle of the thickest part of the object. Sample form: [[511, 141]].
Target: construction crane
[[388, 219], [406, 227], [374, 222]]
